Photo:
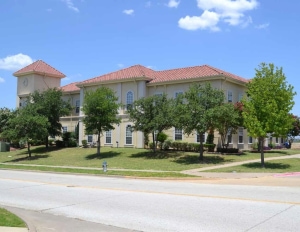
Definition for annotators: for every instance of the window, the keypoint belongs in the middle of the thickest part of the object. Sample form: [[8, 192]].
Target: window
[[128, 134], [270, 139], [277, 140], [178, 93], [241, 135], [64, 129], [129, 100], [90, 138], [178, 134], [229, 96], [281, 140], [108, 136], [77, 106], [250, 140], [158, 94], [240, 97], [198, 138], [229, 136]]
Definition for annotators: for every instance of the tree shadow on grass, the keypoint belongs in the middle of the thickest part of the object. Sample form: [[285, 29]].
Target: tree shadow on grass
[[194, 159], [268, 165], [157, 155], [39, 150], [27, 158], [103, 155]]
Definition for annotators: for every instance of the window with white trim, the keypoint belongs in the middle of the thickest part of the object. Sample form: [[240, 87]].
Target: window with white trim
[[229, 136], [108, 137], [178, 134], [90, 138], [241, 135], [64, 129], [250, 140], [129, 100], [198, 138], [276, 140], [229, 96], [128, 134], [77, 106]]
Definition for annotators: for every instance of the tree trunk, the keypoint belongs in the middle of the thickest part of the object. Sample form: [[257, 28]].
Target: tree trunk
[[154, 144], [28, 149], [98, 144], [262, 158], [201, 147]]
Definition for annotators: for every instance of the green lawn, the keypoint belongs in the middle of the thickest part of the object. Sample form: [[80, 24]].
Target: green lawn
[[10, 220], [126, 158], [273, 166]]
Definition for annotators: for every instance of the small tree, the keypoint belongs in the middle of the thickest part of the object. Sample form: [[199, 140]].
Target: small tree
[[101, 112], [195, 109], [27, 125], [227, 120], [270, 99], [50, 104], [152, 115], [5, 115], [295, 129]]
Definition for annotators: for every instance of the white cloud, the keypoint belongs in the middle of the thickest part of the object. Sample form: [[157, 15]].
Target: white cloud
[[263, 26], [2, 80], [151, 67], [15, 62], [70, 5], [128, 12], [120, 65], [148, 4], [173, 4], [226, 11], [208, 20]]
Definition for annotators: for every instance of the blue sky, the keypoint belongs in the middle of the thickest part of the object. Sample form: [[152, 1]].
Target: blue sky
[[87, 38]]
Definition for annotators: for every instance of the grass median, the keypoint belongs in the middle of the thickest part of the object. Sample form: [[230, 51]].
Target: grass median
[[8, 219]]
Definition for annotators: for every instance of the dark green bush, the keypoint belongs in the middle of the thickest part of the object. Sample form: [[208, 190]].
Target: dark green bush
[[227, 150], [84, 143], [59, 143]]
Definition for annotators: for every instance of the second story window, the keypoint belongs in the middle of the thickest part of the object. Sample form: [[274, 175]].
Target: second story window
[[64, 129], [129, 100], [229, 96], [77, 106]]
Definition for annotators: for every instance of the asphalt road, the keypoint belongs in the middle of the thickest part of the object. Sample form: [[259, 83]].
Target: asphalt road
[[150, 205]]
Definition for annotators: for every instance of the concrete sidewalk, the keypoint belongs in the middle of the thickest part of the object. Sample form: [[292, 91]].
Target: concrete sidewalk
[[13, 229]]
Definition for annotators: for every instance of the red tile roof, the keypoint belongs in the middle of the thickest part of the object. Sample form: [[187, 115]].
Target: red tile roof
[[139, 71], [70, 87], [39, 67], [136, 71], [191, 73]]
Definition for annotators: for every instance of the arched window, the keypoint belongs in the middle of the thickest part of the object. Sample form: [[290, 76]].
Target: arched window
[[129, 100]]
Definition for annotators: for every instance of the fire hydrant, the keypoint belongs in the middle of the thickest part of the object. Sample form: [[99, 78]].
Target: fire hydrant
[[104, 166]]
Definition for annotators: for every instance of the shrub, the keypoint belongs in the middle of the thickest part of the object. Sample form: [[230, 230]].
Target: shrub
[[210, 147], [227, 150], [50, 142], [72, 143], [271, 145], [176, 145], [166, 145], [183, 146], [151, 145], [161, 137], [210, 139], [59, 143], [84, 143], [255, 146]]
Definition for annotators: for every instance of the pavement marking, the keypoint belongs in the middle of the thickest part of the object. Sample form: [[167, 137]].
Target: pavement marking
[[161, 193]]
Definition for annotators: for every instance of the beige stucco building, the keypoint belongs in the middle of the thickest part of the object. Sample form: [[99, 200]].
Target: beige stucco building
[[129, 85]]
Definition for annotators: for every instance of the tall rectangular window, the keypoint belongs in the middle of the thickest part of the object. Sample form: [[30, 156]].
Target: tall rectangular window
[[90, 138], [229, 96], [240, 97], [128, 134], [229, 136], [250, 140], [178, 134], [281, 140], [64, 129], [277, 140], [241, 135], [77, 106], [198, 138], [129, 100], [108, 136]]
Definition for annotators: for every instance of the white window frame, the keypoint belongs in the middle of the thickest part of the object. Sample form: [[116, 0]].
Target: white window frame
[[108, 136], [130, 102], [128, 135], [250, 142], [176, 130], [64, 129], [229, 96], [229, 135], [241, 134], [198, 138], [89, 138], [77, 106]]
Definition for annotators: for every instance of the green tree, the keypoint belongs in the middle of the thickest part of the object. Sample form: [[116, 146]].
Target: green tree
[[5, 115], [152, 115], [195, 110], [294, 130], [101, 112], [26, 125], [227, 119], [50, 104], [269, 101]]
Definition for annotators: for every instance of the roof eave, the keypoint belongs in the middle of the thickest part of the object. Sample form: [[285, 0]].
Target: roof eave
[[41, 73]]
